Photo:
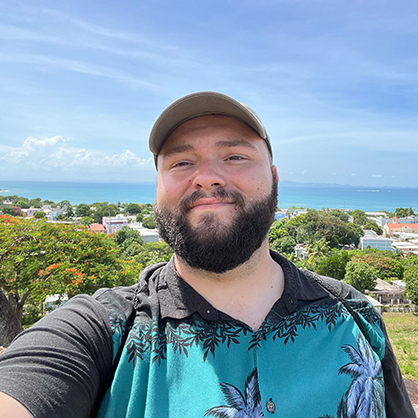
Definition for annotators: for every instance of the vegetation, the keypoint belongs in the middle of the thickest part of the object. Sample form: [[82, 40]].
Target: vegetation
[[411, 278], [402, 329], [360, 275], [316, 225], [38, 258], [324, 233]]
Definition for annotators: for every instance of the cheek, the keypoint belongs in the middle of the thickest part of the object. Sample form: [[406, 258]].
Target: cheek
[[169, 191]]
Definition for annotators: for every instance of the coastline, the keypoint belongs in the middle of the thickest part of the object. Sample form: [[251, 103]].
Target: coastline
[[308, 195]]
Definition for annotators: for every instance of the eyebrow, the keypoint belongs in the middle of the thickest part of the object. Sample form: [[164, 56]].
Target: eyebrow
[[177, 150], [220, 144], [235, 143]]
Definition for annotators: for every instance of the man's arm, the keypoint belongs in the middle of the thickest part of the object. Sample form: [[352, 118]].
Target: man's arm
[[57, 367], [11, 408]]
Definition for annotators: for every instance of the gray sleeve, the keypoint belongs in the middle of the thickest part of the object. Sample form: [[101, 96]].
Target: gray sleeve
[[57, 367]]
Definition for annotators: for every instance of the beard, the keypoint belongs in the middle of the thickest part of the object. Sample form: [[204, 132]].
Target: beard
[[211, 245]]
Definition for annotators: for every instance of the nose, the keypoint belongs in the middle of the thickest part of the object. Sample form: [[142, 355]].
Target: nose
[[208, 176]]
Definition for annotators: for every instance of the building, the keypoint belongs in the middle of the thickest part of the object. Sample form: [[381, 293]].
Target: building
[[97, 228], [377, 305], [112, 224], [390, 294], [396, 229], [372, 240], [148, 235], [407, 246], [54, 301], [300, 252], [279, 215]]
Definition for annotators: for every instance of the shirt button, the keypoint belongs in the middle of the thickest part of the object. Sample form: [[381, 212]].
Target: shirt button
[[270, 406]]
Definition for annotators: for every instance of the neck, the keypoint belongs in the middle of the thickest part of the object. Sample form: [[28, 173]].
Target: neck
[[246, 293]]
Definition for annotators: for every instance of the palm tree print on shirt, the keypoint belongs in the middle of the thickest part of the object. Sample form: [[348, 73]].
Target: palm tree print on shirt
[[365, 396], [239, 406]]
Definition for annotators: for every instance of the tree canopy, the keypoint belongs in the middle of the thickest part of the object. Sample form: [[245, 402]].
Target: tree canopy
[[360, 275], [39, 259]]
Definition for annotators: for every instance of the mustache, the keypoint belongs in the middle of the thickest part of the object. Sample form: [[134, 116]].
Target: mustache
[[220, 194]]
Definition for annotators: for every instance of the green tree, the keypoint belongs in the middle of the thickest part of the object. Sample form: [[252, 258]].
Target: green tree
[[149, 222], [315, 225], [276, 231], [360, 275], [86, 220], [36, 203], [339, 214], [39, 214], [400, 212], [23, 204], [385, 263], [104, 209], [82, 210], [39, 258], [69, 213], [334, 265], [139, 217], [359, 217], [318, 250], [129, 241], [284, 245], [133, 208], [154, 252], [10, 210], [411, 280], [374, 227]]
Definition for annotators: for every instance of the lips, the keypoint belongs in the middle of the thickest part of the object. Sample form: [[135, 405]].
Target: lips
[[203, 200], [209, 203]]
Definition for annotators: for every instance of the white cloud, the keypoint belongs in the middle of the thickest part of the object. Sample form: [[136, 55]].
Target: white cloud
[[377, 175], [55, 154]]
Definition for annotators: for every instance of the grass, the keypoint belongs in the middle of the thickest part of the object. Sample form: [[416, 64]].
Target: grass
[[402, 329]]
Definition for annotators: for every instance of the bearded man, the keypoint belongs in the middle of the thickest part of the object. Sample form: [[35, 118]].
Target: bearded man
[[227, 328]]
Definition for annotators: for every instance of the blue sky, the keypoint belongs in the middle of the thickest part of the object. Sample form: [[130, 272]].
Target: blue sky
[[334, 81]]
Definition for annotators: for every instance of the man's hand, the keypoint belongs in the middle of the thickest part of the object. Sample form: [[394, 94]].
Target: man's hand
[[11, 408]]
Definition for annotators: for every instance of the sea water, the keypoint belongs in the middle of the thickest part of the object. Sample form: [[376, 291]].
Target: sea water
[[306, 195]]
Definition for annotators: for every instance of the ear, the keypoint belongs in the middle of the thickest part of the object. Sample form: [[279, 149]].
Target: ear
[[274, 169]]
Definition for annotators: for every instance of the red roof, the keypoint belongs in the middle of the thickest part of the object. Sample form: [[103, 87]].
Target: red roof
[[397, 226], [96, 228]]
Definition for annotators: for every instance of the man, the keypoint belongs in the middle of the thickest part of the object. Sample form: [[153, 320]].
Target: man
[[226, 328]]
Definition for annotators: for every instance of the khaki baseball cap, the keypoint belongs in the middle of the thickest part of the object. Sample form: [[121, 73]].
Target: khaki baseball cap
[[199, 104]]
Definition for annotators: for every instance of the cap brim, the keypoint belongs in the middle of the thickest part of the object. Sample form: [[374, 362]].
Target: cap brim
[[199, 104]]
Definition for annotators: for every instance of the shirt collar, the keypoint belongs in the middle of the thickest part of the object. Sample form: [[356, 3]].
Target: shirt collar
[[178, 300]]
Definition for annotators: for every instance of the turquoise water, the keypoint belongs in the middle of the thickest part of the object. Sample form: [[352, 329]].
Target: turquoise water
[[298, 194]]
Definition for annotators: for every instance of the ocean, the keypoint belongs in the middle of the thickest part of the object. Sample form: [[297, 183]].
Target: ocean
[[308, 195]]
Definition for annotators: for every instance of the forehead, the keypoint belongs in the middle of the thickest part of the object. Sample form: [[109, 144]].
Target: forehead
[[210, 127]]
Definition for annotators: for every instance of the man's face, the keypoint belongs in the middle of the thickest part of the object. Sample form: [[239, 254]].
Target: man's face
[[216, 192]]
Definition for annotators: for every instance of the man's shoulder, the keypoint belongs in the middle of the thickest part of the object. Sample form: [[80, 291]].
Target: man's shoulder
[[335, 287]]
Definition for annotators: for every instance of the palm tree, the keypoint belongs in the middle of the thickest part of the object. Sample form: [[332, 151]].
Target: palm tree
[[317, 250], [238, 405], [365, 396]]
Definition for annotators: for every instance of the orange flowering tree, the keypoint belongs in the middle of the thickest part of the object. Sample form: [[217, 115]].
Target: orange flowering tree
[[38, 258], [386, 264]]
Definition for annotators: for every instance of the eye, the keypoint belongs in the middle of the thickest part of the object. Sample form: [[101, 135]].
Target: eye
[[235, 158], [181, 164]]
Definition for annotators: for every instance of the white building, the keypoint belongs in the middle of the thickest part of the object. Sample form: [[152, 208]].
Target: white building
[[372, 240], [148, 235], [113, 223]]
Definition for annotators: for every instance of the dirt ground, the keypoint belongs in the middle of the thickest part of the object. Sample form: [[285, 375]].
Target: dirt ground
[[412, 388]]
